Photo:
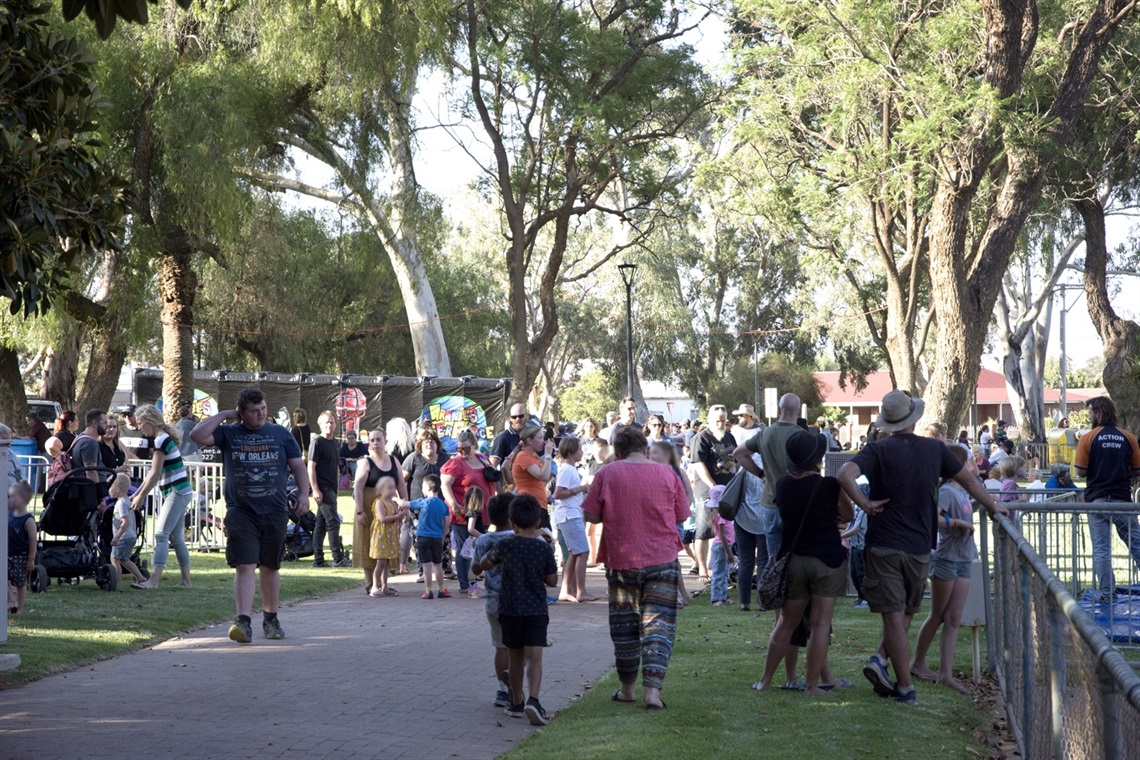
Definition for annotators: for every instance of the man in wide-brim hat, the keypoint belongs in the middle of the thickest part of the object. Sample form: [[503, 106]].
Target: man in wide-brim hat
[[904, 471]]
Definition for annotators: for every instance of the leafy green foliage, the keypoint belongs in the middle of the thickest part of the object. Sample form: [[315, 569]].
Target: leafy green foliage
[[736, 384], [59, 197], [595, 393]]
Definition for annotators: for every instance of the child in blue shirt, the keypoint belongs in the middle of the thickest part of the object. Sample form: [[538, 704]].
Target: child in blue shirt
[[433, 517], [498, 508]]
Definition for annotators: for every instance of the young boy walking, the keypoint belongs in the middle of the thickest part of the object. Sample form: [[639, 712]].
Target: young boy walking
[[434, 517], [126, 530], [528, 567], [498, 509], [22, 541]]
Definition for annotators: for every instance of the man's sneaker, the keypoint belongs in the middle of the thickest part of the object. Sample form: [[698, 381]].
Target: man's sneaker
[[907, 697], [320, 563], [502, 698], [427, 595], [272, 630], [875, 671], [535, 712], [443, 594], [241, 632], [515, 711], [342, 562], [475, 592]]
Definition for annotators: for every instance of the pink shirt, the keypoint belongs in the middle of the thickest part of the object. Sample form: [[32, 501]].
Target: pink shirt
[[729, 531], [640, 504]]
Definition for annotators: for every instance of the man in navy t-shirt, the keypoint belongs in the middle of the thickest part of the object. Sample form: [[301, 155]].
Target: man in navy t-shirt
[[1108, 457], [904, 471], [258, 457]]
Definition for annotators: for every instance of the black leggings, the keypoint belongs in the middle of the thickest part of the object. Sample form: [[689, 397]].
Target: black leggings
[[751, 554]]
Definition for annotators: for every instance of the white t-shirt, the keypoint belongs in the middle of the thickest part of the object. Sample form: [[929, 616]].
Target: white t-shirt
[[571, 508], [1037, 485], [123, 512]]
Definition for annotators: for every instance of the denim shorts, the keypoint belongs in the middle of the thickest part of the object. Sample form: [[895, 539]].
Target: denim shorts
[[948, 570], [125, 547], [573, 531]]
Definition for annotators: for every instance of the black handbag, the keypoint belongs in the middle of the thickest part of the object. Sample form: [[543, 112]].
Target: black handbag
[[772, 585], [732, 496], [491, 474]]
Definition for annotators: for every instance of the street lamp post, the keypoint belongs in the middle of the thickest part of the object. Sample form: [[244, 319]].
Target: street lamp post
[[627, 272]]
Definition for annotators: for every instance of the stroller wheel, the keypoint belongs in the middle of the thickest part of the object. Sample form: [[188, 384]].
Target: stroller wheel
[[38, 581], [107, 578], [290, 557]]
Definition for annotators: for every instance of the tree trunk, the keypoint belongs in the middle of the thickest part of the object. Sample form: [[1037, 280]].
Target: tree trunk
[[177, 286], [61, 367], [13, 400], [1121, 337], [118, 295]]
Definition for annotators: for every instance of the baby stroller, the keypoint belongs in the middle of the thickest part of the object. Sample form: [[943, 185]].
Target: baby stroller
[[71, 513], [299, 531]]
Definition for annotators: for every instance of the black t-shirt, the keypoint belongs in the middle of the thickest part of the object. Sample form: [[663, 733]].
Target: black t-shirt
[[302, 434], [421, 468], [324, 453], [525, 563], [1108, 454], [357, 452], [820, 534], [66, 437], [717, 457], [504, 443], [907, 469]]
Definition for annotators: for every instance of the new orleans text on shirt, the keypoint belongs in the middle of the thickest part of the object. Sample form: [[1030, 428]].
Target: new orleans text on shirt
[[257, 453]]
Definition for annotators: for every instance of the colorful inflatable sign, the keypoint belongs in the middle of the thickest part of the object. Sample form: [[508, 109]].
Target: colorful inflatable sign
[[449, 415]]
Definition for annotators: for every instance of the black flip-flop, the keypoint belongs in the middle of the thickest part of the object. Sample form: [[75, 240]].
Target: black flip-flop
[[661, 706], [617, 698]]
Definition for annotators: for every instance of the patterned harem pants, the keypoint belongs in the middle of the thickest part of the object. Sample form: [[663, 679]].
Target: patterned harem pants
[[643, 620]]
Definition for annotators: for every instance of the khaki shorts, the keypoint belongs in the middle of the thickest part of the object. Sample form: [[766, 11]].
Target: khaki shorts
[[810, 576], [895, 580], [496, 630]]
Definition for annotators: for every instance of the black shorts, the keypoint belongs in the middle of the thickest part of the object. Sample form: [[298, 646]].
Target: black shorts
[[255, 539], [429, 550], [544, 519], [524, 630]]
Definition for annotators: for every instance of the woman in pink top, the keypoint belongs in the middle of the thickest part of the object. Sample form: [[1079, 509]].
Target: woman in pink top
[[640, 504]]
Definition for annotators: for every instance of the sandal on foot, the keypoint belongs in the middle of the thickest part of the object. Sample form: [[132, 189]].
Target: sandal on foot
[[793, 686], [617, 698], [661, 706], [390, 592]]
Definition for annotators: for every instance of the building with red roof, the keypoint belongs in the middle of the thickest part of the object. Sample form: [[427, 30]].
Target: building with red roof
[[991, 400]]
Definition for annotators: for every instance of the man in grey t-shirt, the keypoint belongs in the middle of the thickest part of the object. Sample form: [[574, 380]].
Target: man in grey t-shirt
[[185, 425], [770, 444], [85, 450]]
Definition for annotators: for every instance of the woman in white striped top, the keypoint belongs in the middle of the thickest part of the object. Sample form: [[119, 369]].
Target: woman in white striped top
[[168, 472]]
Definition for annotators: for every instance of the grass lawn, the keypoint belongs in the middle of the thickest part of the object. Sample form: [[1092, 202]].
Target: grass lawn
[[713, 712], [68, 626]]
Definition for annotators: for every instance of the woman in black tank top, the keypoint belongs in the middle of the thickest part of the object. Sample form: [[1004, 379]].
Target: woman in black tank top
[[380, 465]]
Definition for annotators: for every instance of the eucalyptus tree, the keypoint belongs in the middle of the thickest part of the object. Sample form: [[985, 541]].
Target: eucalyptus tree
[[941, 120], [345, 104], [581, 105]]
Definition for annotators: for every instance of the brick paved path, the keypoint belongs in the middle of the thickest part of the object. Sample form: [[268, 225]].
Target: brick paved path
[[355, 678]]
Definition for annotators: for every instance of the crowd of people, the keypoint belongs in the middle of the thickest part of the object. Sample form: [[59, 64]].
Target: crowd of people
[[631, 496]]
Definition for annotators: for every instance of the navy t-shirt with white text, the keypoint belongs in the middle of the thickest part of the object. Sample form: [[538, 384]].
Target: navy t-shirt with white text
[[256, 466]]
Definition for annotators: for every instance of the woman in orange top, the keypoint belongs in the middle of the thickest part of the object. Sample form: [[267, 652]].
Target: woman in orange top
[[531, 467]]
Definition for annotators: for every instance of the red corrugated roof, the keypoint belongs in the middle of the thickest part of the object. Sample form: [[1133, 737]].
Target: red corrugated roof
[[991, 390]]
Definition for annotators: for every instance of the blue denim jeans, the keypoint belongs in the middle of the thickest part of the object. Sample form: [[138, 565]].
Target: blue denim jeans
[[718, 567], [459, 534], [170, 529], [1100, 530], [773, 530]]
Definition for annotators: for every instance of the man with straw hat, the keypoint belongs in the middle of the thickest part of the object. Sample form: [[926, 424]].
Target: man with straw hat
[[904, 471]]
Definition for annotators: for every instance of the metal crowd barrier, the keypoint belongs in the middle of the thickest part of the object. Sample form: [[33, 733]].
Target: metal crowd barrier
[[1069, 692], [34, 470], [204, 516]]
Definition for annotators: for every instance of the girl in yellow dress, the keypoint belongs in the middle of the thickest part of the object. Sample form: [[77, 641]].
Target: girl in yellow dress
[[385, 544]]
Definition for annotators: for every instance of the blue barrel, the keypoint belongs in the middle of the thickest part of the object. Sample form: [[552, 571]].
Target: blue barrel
[[26, 447]]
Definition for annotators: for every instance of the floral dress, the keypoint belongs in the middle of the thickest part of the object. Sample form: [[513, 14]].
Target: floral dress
[[385, 543]]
